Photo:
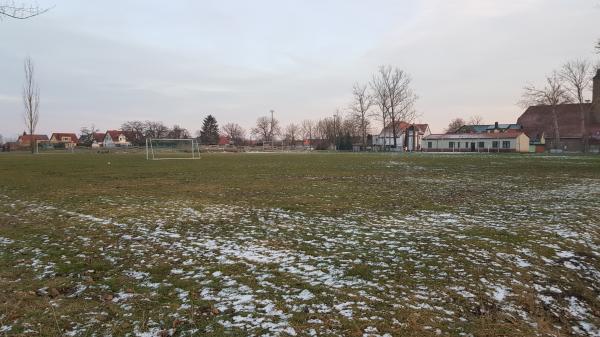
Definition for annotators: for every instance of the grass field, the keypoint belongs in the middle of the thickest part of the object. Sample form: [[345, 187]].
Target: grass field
[[300, 244]]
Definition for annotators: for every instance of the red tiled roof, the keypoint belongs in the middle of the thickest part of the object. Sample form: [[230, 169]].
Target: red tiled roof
[[59, 135], [537, 120], [114, 134], [26, 139], [421, 127], [490, 135], [401, 126], [98, 137]]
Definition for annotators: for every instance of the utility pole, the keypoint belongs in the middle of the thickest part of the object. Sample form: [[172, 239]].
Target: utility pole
[[335, 136], [271, 128]]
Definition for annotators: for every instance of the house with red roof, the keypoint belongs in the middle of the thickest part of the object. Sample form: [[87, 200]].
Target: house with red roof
[[538, 124], [115, 138], [409, 136], [26, 140], [98, 139], [68, 140]]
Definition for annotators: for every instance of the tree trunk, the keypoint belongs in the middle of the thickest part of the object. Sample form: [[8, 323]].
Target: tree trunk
[[394, 131], [384, 135], [364, 134], [556, 132]]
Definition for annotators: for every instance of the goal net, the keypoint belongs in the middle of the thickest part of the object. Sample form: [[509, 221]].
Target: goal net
[[47, 146], [157, 149]]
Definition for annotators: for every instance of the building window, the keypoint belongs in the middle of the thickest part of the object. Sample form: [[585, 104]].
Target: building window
[[466, 145], [429, 145], [451, 145], [506, 144], [495, 144], [481, 145]]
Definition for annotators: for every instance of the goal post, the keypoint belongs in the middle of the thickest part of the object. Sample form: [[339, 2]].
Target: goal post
[[160, 149], [47, 146]]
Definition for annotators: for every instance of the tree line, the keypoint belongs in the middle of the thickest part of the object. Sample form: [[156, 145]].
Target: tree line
[[388, 97], [568, 84]]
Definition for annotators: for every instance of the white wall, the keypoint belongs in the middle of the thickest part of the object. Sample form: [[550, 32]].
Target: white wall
[[461, 144]]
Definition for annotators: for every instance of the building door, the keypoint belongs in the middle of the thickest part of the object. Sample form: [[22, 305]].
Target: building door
[[472, 147]]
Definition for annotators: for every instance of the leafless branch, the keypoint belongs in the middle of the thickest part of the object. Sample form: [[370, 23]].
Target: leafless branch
[[31, 100], [553, 94], [455, 124], [22, 12], [380, 97], [235, 132], [577, 76], [266, 128], [308, 130], [360, 109], [475, 120], [395, 97], [292, 132]]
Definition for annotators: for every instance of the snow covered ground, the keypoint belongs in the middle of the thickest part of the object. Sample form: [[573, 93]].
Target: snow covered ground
[[300, 245], [156, 267]]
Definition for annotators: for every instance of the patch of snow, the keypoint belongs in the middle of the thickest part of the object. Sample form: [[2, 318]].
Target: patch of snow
[[306, 295]]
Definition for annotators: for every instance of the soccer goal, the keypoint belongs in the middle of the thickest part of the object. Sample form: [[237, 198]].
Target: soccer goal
[[159, 149], [47, 147]]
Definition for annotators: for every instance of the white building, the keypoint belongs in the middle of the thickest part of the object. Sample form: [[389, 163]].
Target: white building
[[409, 137], [115, 138], [509, 141]]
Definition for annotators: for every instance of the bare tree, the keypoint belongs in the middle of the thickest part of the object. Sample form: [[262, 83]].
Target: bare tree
[[359, 107], [155, 130], [21, 12], [262, 130], [235, 133], [325, 128], [400, 97], [455, 124], [31, 100], [136, 131], [308, 130], [86, 136], [292, 132], [380, 97], [577, 76], [177, 132], [553, 95], [475, 120], [266, 128], [351, 126]]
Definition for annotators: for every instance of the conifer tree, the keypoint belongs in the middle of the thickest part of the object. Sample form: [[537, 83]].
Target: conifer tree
[[209, 134]]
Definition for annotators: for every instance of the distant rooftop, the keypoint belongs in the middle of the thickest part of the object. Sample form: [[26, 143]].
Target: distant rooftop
[[483, 128]]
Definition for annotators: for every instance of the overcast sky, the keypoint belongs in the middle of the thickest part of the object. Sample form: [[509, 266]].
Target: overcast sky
[[105, 62]]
